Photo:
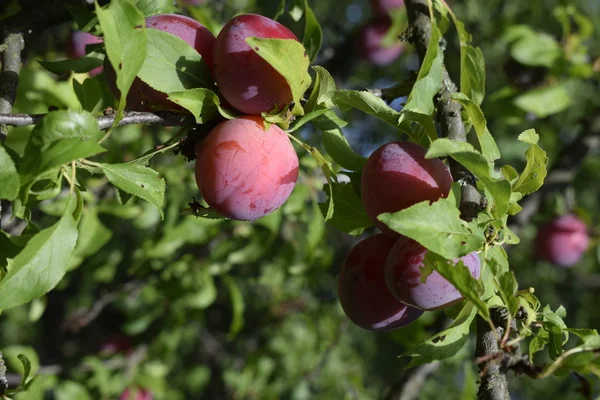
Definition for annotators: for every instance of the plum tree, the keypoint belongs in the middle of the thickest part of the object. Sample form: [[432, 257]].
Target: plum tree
[[383, 7], [370, 47], [562, 241], [76, 44], [244, 172], [245, 80], [139, 393], [141, 96], [403, 277], [397, 175], [362, 290]]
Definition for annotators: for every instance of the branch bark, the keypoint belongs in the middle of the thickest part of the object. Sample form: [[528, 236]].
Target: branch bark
[[9, 77], [106, 121], [448, 111], [493, 384]]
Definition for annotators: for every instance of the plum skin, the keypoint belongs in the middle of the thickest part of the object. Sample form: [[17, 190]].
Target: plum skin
[[362, 291], [142, 97], [562, 241], [370, 48], [76, 47], [245, 80], [243, 172], [397, 175], [403, 277]]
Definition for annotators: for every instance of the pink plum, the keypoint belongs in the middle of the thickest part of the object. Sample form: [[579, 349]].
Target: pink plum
[[77, 43], [403, 277], [140, 394], [397, 175], [141, 96], [369, 44], [562, 241], [244, 172], [244, 79], [362, 290]]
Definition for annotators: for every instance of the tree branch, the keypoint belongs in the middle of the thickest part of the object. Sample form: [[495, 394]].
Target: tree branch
[[448, 110], [9, 77], [106, 121], [493, 384]]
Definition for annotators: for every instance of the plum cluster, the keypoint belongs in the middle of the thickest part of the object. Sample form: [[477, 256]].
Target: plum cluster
[[243, 170], [380, 284], [369, 40]]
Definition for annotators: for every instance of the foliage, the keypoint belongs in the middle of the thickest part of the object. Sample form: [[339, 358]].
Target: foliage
[[99, 238]]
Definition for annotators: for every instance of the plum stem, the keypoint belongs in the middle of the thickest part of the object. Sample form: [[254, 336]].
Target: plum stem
[[448, 110]]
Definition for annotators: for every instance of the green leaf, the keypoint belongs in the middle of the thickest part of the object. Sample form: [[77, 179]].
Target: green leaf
[[368, 103], [340, 151], [306, 118], [93, 235], [472, 65], [438, 227], [534, 173], [237, 304], [9, 189], [59, 138], [349, 214], [140, 181], [125, 43], [508, 286], [322, 91], [203, 103], [472, 74], [288, 57], [467, 156], [42, 263], [544, 101], [79, 65], [153, 7], [429, 80], [532, 48], [488, 145], [446, 343], [89, 93], [172, 65], [460, 277], [313, 34]]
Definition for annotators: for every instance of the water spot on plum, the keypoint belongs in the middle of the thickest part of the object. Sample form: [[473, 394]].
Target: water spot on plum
[[253, 205]]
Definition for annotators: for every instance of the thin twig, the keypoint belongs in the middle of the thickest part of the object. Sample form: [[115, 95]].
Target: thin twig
[[448, 110], [106, 121]]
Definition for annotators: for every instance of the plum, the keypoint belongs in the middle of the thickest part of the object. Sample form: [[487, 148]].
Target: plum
[[245, 80], [369, 44], [140, 394], [403, 277], [397, 175], [244, 172], [562, 241], [141, 96], [383, 7], [76, 47], [362, 290]]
